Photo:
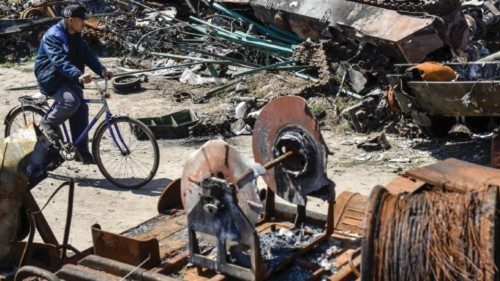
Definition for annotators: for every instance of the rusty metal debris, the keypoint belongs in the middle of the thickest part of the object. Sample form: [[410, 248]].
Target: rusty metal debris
[[286, 124], [434, 104], [435, 222]]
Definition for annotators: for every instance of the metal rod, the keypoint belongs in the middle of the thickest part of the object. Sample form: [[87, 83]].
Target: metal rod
[[304, 76], [266, 166], [278, 160], [267, 67]]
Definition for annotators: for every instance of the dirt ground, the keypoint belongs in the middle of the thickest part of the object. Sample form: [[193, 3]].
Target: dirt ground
[[97, 201]]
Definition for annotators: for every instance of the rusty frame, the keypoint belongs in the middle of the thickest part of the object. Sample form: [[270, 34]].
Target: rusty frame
[[125, 249]]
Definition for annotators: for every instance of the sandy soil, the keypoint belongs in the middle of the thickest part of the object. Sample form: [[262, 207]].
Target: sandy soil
[[97, 201]]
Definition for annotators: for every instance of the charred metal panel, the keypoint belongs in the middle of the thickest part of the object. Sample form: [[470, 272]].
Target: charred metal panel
[[18, 25], [476, 93], [458, 98]]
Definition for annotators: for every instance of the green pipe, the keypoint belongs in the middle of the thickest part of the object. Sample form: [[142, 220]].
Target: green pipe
[[258, 44], [234, 38], [253, 38], [267, 67], [262, 28], [209, 24], [286, 33]]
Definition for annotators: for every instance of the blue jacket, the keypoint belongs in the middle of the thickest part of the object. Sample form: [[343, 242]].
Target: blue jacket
[[62, 58]]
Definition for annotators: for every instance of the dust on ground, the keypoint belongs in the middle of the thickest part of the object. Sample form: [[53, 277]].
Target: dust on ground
[[116, 210]]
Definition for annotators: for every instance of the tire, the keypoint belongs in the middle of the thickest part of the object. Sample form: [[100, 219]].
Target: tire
[[127, 84], [440, 126], [110, 160], [21, 116]]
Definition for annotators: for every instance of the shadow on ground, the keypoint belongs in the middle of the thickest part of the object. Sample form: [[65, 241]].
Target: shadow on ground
[[154, 188], [460, 146]]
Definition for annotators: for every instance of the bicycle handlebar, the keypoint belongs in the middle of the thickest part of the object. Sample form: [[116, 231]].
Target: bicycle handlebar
[[101, 91]]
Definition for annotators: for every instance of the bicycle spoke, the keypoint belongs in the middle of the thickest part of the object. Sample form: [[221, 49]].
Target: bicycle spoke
[[139, 167]]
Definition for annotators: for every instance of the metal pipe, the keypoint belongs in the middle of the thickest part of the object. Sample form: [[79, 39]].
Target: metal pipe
[[266, 166], [32, 271], [304, 76], [267, 67]]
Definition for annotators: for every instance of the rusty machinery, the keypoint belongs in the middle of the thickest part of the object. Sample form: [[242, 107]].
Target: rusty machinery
[[221, 198]]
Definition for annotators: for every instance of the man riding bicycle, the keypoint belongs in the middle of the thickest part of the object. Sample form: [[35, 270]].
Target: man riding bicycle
[[59, 70]]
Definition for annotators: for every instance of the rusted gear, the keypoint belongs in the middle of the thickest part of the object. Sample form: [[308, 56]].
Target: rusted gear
[[286, 124], [218, 159]]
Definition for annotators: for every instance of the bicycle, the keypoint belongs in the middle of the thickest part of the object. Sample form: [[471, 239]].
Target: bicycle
[[121, 155]]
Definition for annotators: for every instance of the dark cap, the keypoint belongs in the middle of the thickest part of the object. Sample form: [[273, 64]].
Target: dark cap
[[75, 11]]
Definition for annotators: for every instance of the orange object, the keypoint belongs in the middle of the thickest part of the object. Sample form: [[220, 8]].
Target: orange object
[[433, 71]]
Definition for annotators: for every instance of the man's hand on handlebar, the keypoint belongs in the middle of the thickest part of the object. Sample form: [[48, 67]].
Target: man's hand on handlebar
[[85, 79], [107, 74]]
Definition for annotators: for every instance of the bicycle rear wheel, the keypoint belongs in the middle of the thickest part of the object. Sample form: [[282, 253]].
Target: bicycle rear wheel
[[121, 157], [21, 117]]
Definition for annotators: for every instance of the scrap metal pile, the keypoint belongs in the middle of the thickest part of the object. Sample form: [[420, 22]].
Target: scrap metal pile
[[342, 47]]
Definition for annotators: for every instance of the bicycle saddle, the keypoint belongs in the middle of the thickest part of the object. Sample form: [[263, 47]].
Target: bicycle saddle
[[36, 99]]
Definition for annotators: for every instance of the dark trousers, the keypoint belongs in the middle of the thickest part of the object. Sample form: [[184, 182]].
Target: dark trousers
[[69, 104]]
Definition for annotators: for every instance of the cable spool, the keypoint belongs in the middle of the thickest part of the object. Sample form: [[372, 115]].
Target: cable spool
[[425, 227]]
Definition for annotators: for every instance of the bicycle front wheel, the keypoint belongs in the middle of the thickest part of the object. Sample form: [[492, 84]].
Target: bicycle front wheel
[[126, 152]]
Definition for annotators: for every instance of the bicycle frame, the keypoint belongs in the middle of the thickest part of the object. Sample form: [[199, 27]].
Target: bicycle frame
[[124, 150]]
